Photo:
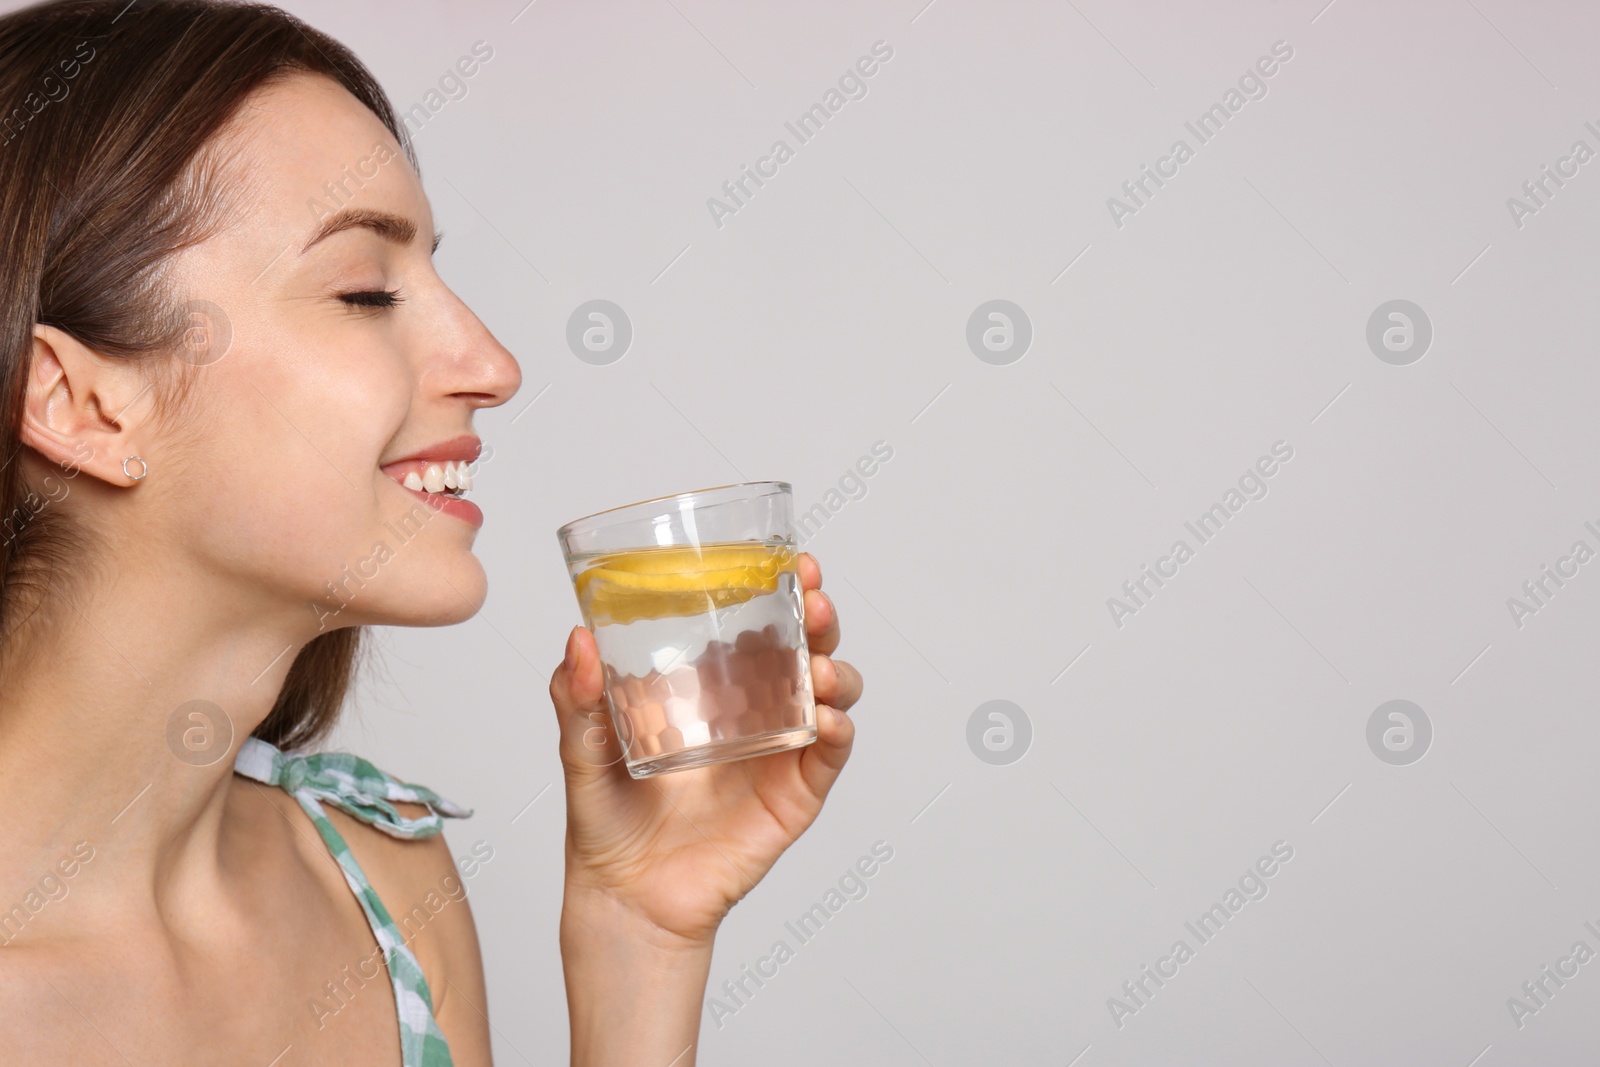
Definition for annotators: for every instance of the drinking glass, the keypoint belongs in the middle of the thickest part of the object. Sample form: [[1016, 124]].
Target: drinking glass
[[696, 608]]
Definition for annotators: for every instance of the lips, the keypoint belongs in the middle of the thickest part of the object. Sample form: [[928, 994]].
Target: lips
[[439, 474], [463, 449]]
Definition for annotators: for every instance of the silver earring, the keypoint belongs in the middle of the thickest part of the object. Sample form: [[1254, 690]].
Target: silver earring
[[144, 468]]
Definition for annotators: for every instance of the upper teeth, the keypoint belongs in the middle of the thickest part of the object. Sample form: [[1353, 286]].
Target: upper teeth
[[436, 478]]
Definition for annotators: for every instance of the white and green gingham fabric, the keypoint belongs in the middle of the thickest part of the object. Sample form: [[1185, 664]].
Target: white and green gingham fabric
[[356, 786]]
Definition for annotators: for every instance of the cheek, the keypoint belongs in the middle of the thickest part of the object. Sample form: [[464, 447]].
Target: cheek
[[286, 467]]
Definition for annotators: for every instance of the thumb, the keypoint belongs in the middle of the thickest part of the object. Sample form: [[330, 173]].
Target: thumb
[[589, 742]]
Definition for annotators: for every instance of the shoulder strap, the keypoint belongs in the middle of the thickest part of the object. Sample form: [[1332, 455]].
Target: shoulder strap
[[348, 782], [357, 787]]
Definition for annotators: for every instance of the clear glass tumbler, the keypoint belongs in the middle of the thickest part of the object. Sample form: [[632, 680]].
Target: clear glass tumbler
[[696, 607]]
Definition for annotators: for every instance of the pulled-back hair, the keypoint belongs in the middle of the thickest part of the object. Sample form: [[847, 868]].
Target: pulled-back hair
[[109, 112]]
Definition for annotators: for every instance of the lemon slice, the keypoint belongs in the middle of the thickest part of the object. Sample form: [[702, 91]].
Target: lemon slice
[[658, 583]]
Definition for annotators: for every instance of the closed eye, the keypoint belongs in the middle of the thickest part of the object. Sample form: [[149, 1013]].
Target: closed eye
[[381, 298]]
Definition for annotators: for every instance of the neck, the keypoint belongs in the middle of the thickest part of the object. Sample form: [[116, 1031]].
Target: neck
[[101, 738]]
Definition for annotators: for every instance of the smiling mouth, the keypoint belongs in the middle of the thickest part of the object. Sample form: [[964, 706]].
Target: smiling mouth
[[450, 478]]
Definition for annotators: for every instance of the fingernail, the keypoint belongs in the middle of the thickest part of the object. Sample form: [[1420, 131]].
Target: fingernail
[[571, 660]]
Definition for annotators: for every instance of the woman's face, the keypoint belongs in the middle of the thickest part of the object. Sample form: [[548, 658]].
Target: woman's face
[[285, 482]]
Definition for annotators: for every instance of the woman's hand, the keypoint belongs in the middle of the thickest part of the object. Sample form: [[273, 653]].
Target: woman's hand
[[674, 853]]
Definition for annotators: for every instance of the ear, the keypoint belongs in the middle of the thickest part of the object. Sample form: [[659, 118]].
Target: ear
[[76, 412]]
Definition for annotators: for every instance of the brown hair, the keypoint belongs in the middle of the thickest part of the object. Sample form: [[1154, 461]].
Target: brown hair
[[107, 114]]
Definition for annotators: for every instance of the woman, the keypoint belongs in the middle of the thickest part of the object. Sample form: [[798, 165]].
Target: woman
[[219, 373]]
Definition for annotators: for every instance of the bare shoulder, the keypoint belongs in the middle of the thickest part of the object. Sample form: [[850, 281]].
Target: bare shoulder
[[423, 884]]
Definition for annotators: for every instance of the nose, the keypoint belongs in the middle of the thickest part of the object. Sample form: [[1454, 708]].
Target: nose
[[465, 361]]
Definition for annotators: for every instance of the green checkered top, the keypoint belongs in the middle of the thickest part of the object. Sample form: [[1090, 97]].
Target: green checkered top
[[356, 786]]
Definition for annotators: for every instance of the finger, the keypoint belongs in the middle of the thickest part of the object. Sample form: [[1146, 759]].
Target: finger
[[822, 622], [577, 689], [823, 759], [810, 571], [835, 682]]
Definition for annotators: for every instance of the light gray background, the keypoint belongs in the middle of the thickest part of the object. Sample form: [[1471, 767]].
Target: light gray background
[[1229, 313]]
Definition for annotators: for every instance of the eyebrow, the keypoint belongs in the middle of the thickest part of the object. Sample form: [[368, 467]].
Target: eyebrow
[[396, 229]]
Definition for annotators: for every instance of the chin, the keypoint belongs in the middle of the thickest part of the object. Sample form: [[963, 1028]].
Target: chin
[[436, 592], [457, 591]]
